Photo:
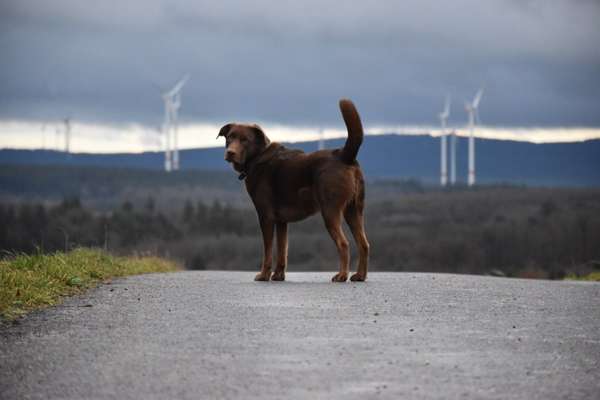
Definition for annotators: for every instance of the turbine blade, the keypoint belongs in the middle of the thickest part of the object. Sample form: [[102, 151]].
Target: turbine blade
[[477, 120], [477, 98], [178, 85], [447, 106]]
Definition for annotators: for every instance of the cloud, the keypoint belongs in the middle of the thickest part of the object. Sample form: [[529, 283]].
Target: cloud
[[289, 61]]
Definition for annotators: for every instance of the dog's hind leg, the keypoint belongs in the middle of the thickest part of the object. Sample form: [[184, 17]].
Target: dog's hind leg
[[267, 228], [333, 223], [355, 220], [282, 251]]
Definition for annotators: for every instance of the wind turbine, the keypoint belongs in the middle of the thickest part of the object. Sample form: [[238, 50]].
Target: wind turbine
[[67, 122], [44, 136], [57, 138], [471, 109], [172, 101], [453, 157], [443, 152], [321, 139]]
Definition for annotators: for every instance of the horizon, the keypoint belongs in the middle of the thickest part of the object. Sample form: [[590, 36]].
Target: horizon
[[135, 139]]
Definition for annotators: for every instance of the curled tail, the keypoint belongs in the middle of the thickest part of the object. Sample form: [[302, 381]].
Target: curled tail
[[355, 131]]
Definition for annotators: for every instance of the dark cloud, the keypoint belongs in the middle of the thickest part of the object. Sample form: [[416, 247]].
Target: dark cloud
[[289, 61]]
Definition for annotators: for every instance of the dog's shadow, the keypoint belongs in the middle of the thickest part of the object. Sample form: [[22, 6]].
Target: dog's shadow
[[307, 283]]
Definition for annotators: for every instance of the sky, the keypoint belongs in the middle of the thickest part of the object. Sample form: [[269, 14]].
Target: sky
[[285, 64]]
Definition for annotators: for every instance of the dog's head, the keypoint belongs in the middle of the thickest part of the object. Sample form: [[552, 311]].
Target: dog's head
[[242, 143]]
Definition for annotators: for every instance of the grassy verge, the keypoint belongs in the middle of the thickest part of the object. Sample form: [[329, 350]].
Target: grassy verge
[[592, 276], [28, 282]]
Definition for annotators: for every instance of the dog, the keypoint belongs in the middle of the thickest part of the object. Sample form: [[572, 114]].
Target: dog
[[288, 185]]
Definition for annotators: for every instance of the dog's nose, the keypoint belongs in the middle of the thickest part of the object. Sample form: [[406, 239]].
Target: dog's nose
[[229, 155]]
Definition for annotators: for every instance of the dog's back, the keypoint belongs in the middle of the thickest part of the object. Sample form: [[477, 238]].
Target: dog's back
[[300, 184]]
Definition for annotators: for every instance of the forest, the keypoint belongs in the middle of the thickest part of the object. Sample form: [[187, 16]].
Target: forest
[[498, 230]]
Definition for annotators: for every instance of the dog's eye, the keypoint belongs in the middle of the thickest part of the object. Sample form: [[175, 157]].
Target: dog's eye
[[243, 140]]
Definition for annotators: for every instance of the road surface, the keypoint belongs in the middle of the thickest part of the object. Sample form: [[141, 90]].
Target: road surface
[[219, 335]]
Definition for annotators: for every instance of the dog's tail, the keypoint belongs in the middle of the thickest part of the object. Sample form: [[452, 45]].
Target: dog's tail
[[355, 131]]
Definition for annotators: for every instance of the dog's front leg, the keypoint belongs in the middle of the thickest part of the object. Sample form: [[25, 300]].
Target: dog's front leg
[[267, 227], [282, 250]]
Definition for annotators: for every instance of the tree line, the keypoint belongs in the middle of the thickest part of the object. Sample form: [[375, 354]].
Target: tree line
[[29, 227], [539, 233]]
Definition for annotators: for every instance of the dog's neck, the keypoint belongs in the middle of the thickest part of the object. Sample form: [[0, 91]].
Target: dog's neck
[[264, 156]]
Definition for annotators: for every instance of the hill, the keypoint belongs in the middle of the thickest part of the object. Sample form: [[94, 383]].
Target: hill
[[387, 156]]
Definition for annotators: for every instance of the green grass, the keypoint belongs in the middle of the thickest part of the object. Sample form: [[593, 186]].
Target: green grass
[[28, 282], [592, 276]]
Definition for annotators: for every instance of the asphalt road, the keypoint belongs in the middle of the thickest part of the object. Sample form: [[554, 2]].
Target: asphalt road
[[213, 335]]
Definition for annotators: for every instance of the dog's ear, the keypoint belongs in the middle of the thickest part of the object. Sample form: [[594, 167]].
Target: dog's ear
[[224, 130], [259, 136]]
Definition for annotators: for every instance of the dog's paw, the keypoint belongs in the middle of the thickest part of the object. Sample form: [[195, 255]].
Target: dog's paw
[[262, 277], [278, 276], [358, 277], [340, 277]]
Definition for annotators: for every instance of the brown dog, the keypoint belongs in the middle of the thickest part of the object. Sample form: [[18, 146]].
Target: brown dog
[[289, 185]]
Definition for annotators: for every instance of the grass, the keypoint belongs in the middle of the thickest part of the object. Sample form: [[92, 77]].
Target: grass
[[592, 276], [29, 282]]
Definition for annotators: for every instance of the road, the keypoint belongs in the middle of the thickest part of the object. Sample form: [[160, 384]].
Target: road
[[219, 335]]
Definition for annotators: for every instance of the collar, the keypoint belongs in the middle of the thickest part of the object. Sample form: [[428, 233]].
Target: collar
[[267, 155]]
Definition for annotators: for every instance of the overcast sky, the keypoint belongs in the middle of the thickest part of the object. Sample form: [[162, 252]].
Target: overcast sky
[[287, 62]]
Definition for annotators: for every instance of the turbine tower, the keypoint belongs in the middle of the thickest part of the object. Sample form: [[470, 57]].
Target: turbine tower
[[443, 138], [172, 101], [44, 136], [471, 109], [321, 139], [453, 157], [67, 135], [57, 138], [167, 132]]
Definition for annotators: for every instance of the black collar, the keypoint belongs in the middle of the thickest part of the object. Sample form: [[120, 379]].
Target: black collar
[[267, 155]]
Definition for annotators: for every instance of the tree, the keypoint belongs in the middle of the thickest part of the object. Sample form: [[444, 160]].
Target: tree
[[150, 205], [188, 213]]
